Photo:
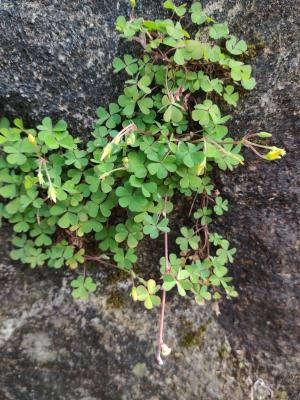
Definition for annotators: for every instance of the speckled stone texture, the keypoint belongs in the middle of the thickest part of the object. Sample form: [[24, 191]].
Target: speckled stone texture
[[55, 59]]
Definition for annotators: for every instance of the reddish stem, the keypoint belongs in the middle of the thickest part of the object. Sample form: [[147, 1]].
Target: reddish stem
[[163, 299]]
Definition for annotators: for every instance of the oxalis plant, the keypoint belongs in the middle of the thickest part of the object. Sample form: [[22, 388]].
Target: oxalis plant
[[73, 203]]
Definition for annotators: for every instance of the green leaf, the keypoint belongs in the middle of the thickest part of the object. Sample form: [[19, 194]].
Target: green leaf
[[118, 64], [142, 293], [8, 191], [82, 287], [145, 104], [67, 220], [173, 114], [236, 47], [197, 15], [151, 286], [179, 56], [179, 11], [136, 161], [13, 206], [181, 289], [169, 282], [230, 96], [218, 31], [17, 159], [220, 271], [248, 84], [183, 274], [21, 227], [144, 83], [221, 205]]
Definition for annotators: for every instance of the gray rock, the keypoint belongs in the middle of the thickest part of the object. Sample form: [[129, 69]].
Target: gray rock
[[55, 59]]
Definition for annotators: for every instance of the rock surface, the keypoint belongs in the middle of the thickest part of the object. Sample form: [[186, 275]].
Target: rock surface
[[55, 59]]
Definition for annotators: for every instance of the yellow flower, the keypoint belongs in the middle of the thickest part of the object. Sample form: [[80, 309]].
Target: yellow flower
[[275, 153], [31, 139], [106, 151], [201, 167]]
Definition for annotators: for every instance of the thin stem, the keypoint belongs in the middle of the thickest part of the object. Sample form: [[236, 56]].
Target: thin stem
[[47, 173], [163, 300], [254, 151], [98, 259], [224, 151], [193, 203]]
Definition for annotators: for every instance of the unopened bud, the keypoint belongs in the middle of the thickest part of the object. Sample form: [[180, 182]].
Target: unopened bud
[[31, 139], [264, 135], [131, 139], [52, 193], [106, 151], [201, 167], [125, 161], [41, 178], [132, 3]]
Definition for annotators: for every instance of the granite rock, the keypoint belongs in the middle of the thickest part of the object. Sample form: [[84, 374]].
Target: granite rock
[[55, 59]]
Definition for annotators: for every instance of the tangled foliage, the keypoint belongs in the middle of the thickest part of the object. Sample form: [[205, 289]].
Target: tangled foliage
[[164, 136]]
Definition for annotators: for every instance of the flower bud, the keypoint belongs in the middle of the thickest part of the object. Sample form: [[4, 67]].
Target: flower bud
[[131, 139], [201, 167], [106, 151], [41, 178], [125, 161], [117, 139], [31, 139], [264, 135], [52, 193]]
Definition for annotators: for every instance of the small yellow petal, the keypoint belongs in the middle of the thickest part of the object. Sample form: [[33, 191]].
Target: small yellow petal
[[275, 153]]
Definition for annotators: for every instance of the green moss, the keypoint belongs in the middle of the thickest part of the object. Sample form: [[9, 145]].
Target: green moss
[[116, 276], [192, 337], [253, 49], [223, 351], [282, 395], [116, 299]]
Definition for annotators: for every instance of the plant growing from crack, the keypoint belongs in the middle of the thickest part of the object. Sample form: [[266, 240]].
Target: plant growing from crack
[[164, 136]]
